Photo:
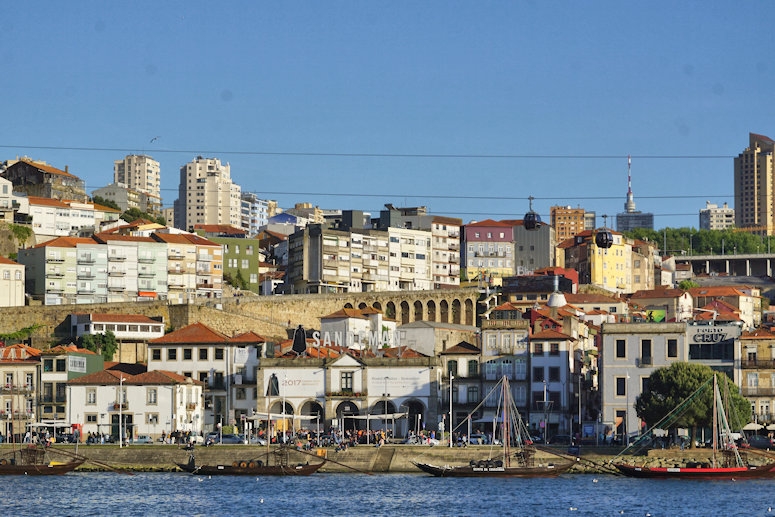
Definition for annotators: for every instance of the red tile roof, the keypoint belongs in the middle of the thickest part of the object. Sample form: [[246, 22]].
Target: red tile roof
[[551, 334], [194, 333], [47, 168]]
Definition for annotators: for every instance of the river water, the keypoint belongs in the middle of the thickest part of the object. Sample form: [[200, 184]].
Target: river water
[[395, 495]]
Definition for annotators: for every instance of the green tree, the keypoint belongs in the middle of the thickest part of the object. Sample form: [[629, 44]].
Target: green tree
[[105, 202], [104, 344], [687, 284], [669, 387], [21, 233], [134, 214]]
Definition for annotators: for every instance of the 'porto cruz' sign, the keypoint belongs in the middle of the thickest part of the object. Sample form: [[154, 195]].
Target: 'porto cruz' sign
[[713, 334]]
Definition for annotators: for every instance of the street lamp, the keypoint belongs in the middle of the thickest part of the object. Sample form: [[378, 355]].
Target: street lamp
[[121, 412], [627, 413], [451, 378], [386, 395]]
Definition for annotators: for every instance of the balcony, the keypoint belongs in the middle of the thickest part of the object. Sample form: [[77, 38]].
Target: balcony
[[117, 288], [55, 259], [175, 255], [191, 406], [116, 272], [55, 274], [85, 274], [755, 391], [17, 390], [86, 290], [454, 259], [144, 273], [117, 258], [86, 259], [173, 270], [147, 259], [120, 407], [645, 362], [758, 364], [204, 258]]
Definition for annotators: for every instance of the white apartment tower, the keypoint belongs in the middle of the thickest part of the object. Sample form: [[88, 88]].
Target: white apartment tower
[[139, 172], [206, 195], [713, 217]]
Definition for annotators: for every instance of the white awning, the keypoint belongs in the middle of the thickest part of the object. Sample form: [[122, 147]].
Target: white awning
[[280, 416], [381, 416]]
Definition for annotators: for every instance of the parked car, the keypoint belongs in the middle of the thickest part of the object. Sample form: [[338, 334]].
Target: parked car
[[257, 440], [229, 439], [143, 438], [758, 441], [560, 439]]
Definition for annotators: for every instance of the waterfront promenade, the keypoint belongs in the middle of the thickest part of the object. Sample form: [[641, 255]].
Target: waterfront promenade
[[366, 458]]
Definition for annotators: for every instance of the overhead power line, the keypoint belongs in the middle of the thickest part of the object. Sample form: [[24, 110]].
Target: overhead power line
[[372, 155]]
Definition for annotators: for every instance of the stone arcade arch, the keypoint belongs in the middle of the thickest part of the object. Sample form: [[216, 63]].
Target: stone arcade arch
[[470, 315], [415, 416], [432, 311], [405, 315], [418, 313], [444, 311], [456, 316], [313, 408]]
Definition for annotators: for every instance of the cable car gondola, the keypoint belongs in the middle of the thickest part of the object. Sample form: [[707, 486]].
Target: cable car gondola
[[603, 236], [532, 220]]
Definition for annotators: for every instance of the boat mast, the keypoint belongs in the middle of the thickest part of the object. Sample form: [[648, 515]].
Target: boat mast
[[506, 423], [715, 418]]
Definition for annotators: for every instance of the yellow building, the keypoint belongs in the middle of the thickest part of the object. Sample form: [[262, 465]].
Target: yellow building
[[609, 268]]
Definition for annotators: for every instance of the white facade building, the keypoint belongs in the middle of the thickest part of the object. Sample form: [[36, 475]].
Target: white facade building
[[115, 403], [206, 195], [12, 280]]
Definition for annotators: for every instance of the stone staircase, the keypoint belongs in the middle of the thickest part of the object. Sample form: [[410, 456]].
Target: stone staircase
[[383, 459]]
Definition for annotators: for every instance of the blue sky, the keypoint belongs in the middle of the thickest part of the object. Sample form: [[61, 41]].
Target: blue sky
[[467, 108]]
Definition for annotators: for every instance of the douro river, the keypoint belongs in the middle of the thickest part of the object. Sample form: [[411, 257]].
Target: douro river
[[394, 495]]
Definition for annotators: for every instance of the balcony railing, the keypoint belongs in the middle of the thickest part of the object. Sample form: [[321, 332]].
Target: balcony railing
[[120, 407], [755, 391], [763, 364], [21, 390], [645, 362]]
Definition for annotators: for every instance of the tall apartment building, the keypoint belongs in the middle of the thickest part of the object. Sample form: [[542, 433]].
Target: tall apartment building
[[255, 212], [340, 260], [566, 221], [206, 195], [445, 239], [141, 173], [755, 186], [713, 217]]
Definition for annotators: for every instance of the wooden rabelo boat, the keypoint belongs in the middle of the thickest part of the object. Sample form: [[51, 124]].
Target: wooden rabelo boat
[[34, 460], [725, 461], [514, 458], [280, 466]]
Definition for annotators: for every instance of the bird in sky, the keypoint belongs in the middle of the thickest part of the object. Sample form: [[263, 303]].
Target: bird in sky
[[154, 139]]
